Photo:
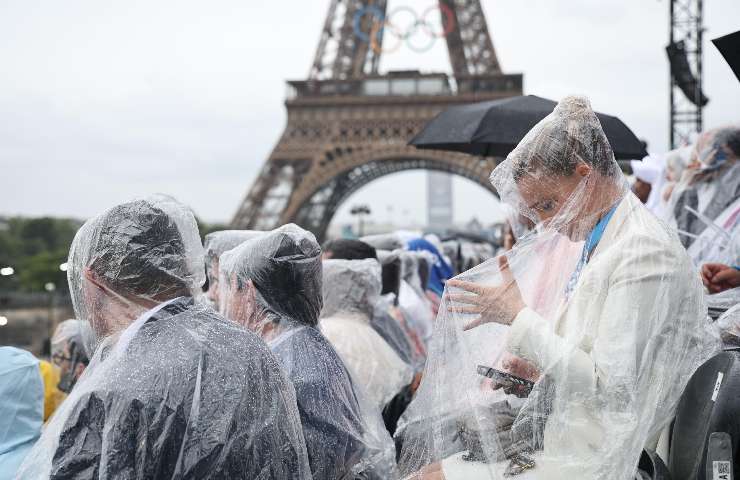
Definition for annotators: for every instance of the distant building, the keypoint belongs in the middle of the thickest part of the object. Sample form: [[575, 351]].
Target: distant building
[[439, 200]]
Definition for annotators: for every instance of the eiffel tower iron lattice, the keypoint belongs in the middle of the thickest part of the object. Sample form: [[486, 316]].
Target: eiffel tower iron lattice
[[348, 124]]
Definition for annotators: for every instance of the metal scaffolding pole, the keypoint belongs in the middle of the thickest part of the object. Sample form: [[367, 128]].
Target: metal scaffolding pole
[[686, 29]]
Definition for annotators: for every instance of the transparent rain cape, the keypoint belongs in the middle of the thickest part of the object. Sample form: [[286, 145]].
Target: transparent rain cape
[[272, 285], [73, 331], [215, 244], [412, 300], [174, 390], [609, 336], [709, 185], [351, 292]]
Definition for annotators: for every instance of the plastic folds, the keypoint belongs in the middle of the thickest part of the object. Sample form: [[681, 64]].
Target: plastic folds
[[599, 307]]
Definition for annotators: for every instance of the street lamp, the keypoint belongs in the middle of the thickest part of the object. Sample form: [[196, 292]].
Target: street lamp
[[3, 321], [63, 267], [360, 211], [51, 323], [6, 271]]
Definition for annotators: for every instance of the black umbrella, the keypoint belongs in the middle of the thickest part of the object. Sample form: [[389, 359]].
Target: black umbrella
[[494, 128], [729, 47]]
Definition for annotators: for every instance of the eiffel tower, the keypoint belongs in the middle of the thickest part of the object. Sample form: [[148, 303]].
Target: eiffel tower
[[348, 124]]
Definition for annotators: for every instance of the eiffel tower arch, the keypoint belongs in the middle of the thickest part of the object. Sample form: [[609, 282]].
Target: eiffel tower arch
[[348, 124]]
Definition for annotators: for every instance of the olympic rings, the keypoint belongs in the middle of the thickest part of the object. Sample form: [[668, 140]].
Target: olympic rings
[[382, 24]]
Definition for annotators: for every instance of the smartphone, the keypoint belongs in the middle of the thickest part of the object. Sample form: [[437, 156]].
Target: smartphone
[[521, 387]]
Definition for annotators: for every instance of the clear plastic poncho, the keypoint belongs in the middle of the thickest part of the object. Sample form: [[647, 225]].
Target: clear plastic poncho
[[710, 184], [388, 320], [599, 307], [139, 254], [351, 293], [720, 240], [272, 284], [394, 333], [72, 332], [412, 300], [215, 244], [174, 390]]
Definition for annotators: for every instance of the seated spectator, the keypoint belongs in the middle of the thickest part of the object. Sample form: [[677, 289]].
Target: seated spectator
[[272, 285], [21, 408], [69, 351], [174, 390], [348, 249], [440, 272], [53, 397], [711, 183], [351, 291], [216, 243], [382, 321]]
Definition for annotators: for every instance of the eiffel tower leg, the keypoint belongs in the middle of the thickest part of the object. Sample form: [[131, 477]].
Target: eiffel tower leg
[[348, 126]]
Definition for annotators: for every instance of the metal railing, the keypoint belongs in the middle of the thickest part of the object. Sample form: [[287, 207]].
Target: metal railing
[[409, 85]]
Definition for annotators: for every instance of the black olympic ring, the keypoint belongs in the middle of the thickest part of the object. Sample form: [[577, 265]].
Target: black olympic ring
[[382, 23]]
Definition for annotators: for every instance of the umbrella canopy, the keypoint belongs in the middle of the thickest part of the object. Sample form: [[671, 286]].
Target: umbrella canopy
[[495, 127], [729, 47]]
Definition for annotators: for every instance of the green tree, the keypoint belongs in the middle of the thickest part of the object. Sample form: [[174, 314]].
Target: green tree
[[34, 248]]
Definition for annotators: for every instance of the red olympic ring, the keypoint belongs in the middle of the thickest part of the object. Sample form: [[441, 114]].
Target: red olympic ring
[[449, 15]]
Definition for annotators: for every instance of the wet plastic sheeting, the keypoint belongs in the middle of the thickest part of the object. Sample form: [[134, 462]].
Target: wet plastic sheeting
[[351, 293], [720, 240], [600, 306], [72, 331], [394, 334], [273, 285], [174, 390], [142, 253], [412, 300], [709, 185], [215, 244]]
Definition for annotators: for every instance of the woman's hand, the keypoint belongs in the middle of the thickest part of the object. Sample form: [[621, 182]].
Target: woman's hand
[[499, 304], [521, 368], [430, 472], [718, 277]]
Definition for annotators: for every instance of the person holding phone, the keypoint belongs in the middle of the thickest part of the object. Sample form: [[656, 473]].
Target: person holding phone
[[630, 326]]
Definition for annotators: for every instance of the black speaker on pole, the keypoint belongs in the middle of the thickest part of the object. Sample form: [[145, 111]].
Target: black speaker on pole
[[682, 75]]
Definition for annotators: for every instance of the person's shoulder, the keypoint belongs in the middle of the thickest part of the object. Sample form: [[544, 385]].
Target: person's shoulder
[[309, 356], [640, 228], [201, 326], [307, 341], [200, 335]]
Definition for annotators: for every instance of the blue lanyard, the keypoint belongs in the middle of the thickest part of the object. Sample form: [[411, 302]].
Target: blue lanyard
[[595, 236], [589, 246]]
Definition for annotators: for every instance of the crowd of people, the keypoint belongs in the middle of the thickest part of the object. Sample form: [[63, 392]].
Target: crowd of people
[[265, 355]]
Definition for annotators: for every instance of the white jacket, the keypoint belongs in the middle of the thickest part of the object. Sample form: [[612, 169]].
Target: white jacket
[[620, 351]]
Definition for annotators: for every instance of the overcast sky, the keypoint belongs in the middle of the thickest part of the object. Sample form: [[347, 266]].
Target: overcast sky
[[101, 101]]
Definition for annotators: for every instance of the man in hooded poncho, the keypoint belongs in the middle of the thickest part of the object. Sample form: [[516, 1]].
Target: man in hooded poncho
[[174, 390], [272, 285], [382, 321], [351, 291], [215, 244], [611, 349]]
